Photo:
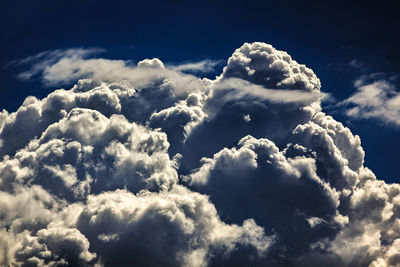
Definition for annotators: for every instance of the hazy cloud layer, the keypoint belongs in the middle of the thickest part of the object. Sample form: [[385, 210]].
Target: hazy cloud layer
[[142, 164]]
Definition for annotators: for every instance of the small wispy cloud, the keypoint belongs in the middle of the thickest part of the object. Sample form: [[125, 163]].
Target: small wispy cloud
[[238, 88], [60, 67], [40, 62], [203, 66], [356, 64], [376, 98]]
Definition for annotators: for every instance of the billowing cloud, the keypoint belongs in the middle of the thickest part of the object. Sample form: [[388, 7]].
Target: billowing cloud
[[262, 64], [142, 164]]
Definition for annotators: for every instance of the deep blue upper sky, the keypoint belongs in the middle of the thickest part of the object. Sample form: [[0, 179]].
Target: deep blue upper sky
[[325, 36]]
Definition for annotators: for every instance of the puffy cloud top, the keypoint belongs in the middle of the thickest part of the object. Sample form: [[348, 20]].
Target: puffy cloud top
[[262, 64], [146, 165]]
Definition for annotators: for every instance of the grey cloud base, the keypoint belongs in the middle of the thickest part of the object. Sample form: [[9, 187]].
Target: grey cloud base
[[145, 165]]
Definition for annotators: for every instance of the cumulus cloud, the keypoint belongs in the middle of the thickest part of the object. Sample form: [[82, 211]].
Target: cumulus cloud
[[262, 64], [143, 164], [377, 100], [171, 228]]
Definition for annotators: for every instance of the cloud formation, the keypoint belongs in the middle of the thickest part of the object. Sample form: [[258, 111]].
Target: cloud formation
[[142, 164], [378, 99]]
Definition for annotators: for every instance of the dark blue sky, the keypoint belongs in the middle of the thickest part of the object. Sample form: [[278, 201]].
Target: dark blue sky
[[325, 36]]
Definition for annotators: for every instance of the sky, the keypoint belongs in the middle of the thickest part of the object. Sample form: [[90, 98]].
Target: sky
[[171, 104]]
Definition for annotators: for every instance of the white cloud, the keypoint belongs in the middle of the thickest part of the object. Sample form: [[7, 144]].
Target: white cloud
[[202, 66], [67, 66], [179, 227], [377, 100], [262, 64], [141, 164], [45, 59], [234, 89]]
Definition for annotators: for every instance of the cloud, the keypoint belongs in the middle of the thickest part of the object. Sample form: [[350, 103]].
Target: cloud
[[235, 89], [142, 164], [68, 66], [356, 64], [40, 62], [377, 100], [236, 178], [262, 64], [202, 66], [174, 228]]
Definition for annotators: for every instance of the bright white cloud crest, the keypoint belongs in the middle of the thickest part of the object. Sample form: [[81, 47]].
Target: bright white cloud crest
[[145, 165]]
